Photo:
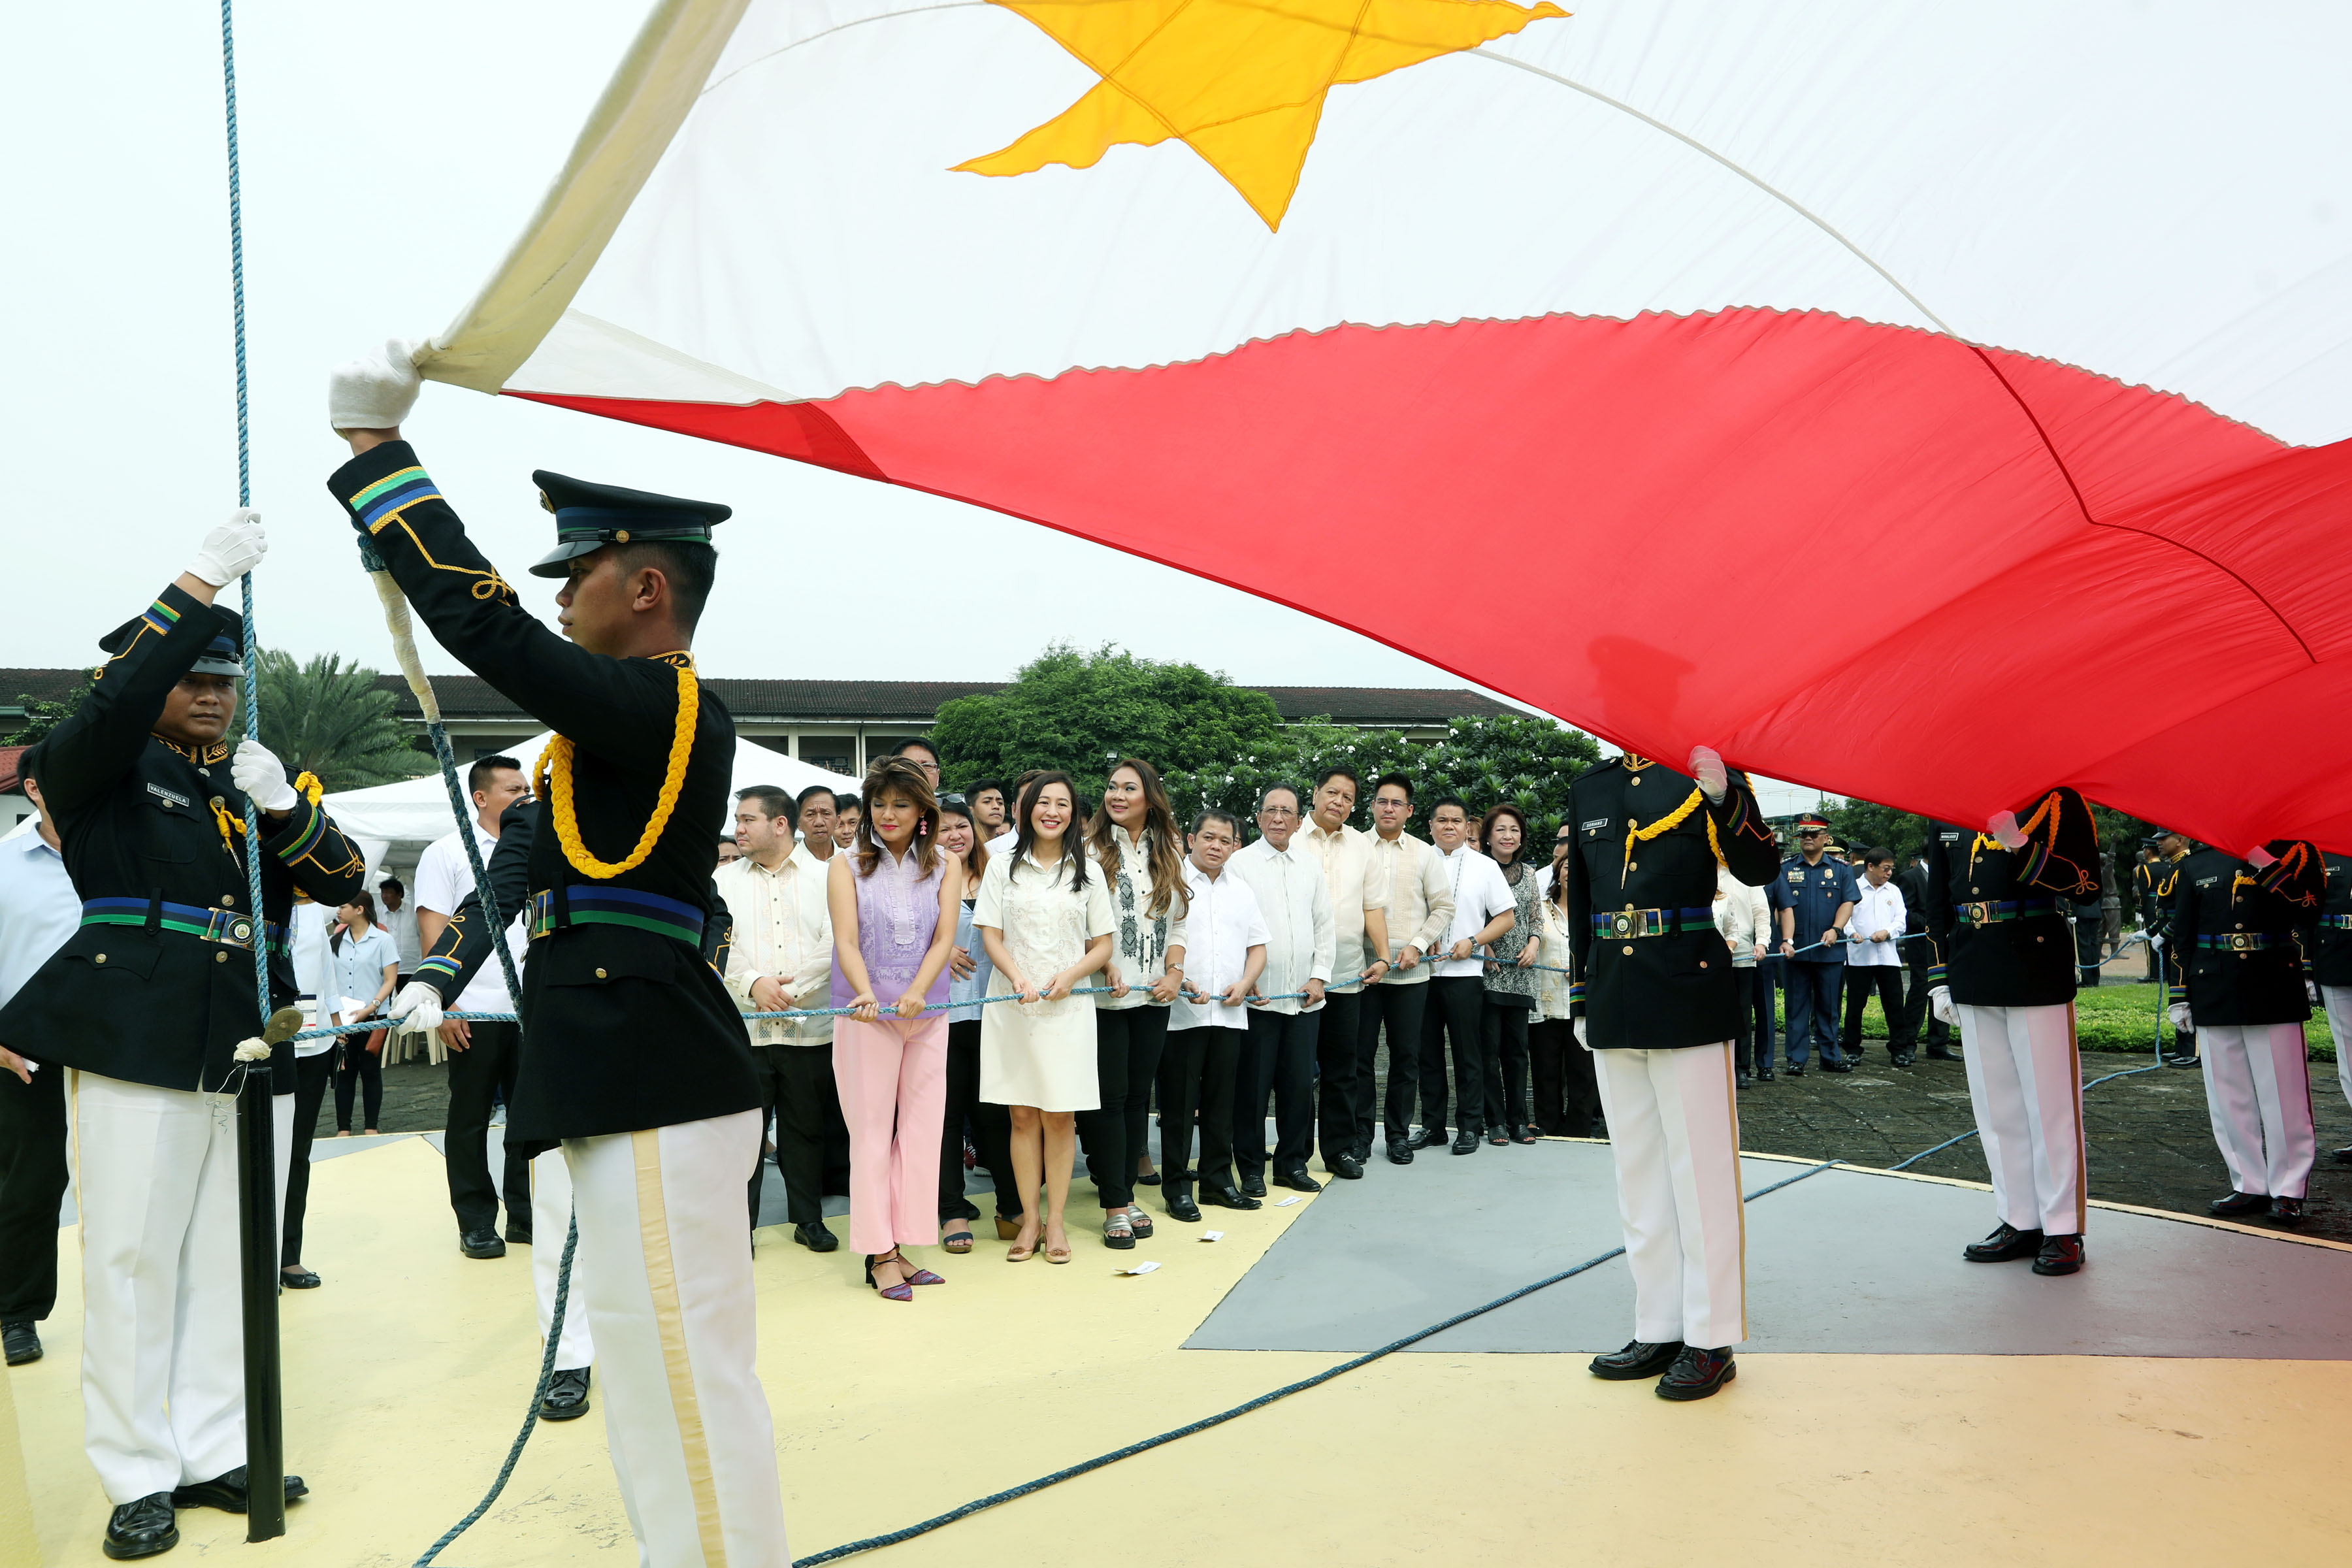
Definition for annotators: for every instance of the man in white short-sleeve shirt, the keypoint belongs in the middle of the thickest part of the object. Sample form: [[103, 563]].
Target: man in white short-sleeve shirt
[[482, 1056], [1222, 955], [1482, 910]]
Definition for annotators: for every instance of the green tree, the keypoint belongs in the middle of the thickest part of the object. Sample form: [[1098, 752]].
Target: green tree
[[40, 717], [330, 718], [1080, 712], [1866, 824]]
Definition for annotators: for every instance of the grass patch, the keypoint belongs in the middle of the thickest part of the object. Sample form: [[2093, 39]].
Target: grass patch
[[2111, 1018]]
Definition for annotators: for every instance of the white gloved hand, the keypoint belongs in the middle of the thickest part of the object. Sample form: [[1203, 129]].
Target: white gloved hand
[[375, 392], [2259, 858], [232, 550], [2004, 829], [2183, 1023], [256, 770], [1580, 1034], [418, 1007], [1939, 1002], [2311, 993], [1706, 767]]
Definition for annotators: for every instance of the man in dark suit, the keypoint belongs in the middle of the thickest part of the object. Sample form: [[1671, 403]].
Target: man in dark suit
[[634, 1056]]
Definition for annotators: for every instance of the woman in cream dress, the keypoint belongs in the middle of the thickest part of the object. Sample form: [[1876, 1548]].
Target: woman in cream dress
[[1045, 917]]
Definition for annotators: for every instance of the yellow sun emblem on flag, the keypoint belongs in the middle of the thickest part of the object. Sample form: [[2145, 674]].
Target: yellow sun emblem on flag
[[1241, 82]]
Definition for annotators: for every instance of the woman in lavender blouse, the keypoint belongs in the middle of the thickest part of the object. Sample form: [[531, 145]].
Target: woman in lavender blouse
[[894, 900]]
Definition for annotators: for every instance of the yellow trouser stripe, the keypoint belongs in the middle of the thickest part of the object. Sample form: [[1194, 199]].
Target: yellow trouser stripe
[[661, 1277]]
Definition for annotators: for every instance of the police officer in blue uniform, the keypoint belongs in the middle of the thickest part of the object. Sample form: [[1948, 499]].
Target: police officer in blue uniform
[[1817, 893]]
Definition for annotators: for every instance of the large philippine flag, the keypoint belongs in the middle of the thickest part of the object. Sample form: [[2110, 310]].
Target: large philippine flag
[[1933, 401]]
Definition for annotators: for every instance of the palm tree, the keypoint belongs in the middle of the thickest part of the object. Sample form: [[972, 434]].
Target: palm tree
[[331, 720]]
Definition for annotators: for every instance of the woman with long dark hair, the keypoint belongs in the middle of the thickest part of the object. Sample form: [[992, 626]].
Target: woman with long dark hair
[[1511, 981], [894, 903], [1047, 926], [1142, 855], [971, 975], [1566, 1094]]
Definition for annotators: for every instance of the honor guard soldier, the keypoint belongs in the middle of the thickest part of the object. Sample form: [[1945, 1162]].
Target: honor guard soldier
[[634, 1057], [146, 1003], [1653, 998], [2163, 877], [2236, 971], [2002, 969], [2329, 953]]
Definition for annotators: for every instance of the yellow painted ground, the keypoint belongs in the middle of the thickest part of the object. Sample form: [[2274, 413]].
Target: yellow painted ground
[[408, 1373]]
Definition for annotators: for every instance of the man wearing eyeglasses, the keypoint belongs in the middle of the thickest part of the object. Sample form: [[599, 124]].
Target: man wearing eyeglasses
[[1818, 894]]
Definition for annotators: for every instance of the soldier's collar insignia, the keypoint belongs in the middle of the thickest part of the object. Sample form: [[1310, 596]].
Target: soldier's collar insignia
[[216, 752], [1635, 765]]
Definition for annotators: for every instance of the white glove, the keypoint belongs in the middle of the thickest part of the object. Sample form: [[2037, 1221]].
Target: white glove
[[256, 770], [232, 550], [375, 392], [2259, 858], [418, 1007], [1939, 1002], [2311, 993], [1580, 1034], [2182, 1023], [1706, 767], [2003, 827]]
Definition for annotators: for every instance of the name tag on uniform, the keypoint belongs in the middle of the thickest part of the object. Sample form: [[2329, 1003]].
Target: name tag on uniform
[[1596, 825], [1950, 838], [2208, 881], [166, 796]]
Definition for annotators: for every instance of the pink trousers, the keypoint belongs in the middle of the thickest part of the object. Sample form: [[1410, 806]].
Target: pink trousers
[[893, 1080]]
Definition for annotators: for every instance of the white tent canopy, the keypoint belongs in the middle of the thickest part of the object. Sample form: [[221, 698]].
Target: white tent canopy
[[412, 814]]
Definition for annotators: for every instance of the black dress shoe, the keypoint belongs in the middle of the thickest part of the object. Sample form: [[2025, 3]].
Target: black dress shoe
[[1299, 1182], [1941, 1054], [1465, 1141], [2343, 1155], [1182, 1206], [1744, 1081], [2287, 1211], [1796, 1070], [2172, 1060], [1901, 1059], [1225, 1196], [1638, 1360], [1697, 1374], [21, 1342], [227, 1493], [1254, 1187], [481, 1244], [1427, 1138], [519, 1231], [1765, 1075], [1400, 1153], [2059, 1254], [2240, 1204], [142, 1528], [298, 1280], [2005, 1244], [567, 1395], [1347, 1167], [1832, 1067], [816, 1237], [1363, 1151]]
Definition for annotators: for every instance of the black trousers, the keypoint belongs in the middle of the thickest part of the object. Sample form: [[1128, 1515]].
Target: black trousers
[[1502, 1047], [1340, 1094], [1812, 1009], [1196, 1077], [1452, 1016], [484, 1067], [1918, 1021], [1568, 1095], [310, 1075], [1398, 1010], [797, 1087], [1768, 999], [992, 1131], [33, 1178], [1129, 1044], [1864, 981], [359, 1069], [1278, 1062], [1743, 1043]]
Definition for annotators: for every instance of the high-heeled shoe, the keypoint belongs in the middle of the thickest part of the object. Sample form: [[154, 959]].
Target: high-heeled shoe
[[1006, 1229], [901, 1291], [916, 1275]]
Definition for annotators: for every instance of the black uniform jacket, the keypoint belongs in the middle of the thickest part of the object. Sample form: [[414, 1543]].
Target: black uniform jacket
[[626, 1025], [2230, 948], [1655, 975], [153, 835], [1995, 923], [2328, 955]]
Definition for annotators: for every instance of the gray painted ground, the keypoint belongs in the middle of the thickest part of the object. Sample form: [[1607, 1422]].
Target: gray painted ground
[[1840, 1262]]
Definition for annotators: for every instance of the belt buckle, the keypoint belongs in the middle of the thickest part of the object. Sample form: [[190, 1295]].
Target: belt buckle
[[1633, 923], [2240, 942], [1978, 913], [542, 914], [229, 926]]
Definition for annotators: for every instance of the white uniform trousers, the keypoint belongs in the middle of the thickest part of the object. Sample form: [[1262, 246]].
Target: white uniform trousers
[[550, 1221], [2258, 1093], [2025, 1084], [669, 1299], [162, 1359], [2338, 1000], [1674, 1131]]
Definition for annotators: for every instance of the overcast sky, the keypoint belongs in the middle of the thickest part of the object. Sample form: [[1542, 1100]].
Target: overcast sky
[[390, 153]]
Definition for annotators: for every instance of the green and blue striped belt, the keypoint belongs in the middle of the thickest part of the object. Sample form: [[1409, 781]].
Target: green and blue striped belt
[[617, 907], [1619, 923], [224, 926], [1992, 911], [2337, 923], [2240, 942]]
